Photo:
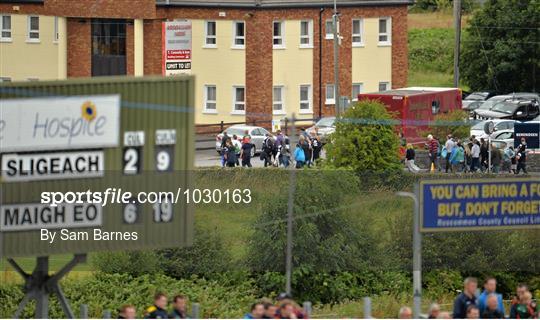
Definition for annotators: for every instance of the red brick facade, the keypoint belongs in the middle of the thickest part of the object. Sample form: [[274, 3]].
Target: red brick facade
[[259, 52]]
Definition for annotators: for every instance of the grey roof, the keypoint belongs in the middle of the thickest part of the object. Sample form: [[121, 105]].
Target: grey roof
[[280, 3]]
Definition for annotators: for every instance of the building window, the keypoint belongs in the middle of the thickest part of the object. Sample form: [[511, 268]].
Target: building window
[[306, 34], [383, 86], [32, 79], [210, 34], [385, 30], [357, 88], [5, 79], [305, 98], [329, 28], [278, 100], [108, 47], [56, 35], [33, 28], [330, 94], [5, 27], [210, 97], [239, 40], [239, 100], [279, 27], [357, 31]]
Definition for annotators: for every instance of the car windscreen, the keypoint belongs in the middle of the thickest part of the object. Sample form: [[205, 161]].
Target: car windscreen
[[236, 131], [479, 126], [326, 122], [487, 105], [504, 107], [476, 96]]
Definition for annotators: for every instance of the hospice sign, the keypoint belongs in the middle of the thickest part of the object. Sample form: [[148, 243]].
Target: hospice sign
[[461, 205]]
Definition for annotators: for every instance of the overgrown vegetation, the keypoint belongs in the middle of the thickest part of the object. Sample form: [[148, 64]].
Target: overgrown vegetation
[[454, 122]]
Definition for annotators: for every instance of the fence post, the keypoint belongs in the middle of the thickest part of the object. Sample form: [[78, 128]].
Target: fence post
[[367, 308], [106, 314], [286, 126], [307, 309], [195, 308], [84, 311], [221, 126]]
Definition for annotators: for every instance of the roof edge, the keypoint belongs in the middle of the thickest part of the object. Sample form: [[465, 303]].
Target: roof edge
[[255, 5]]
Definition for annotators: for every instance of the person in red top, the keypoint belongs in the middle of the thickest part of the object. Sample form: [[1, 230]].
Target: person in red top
[[433, 148]]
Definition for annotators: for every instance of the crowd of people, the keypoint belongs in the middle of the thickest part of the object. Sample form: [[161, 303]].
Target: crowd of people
[[488, 304], [474, 155], [276, 150]]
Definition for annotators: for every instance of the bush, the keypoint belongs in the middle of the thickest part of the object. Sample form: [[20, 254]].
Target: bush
[[364, 140], [108, 292], [431, 50], [133, 263], [454, 122]]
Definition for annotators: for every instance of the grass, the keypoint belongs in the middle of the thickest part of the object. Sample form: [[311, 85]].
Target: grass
[[422, 78], [437, 19]]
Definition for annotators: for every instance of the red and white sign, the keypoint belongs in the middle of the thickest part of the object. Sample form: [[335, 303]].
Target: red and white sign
[[176, 43]]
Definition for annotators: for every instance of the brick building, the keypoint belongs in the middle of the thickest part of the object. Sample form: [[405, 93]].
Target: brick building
[[253, 59]]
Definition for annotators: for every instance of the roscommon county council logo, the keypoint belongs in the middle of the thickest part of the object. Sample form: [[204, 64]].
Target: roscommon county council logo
[[89, 110]]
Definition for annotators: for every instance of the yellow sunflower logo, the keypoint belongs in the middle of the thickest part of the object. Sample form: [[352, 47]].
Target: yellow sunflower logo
[[89, 110]]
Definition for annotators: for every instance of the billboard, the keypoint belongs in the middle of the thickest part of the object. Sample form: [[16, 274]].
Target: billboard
[[50, 123], [136, 142], [487, 204], [528, 130], [176, 46]]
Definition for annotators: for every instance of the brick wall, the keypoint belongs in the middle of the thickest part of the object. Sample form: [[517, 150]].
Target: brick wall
[[130, 49], [79, 48]]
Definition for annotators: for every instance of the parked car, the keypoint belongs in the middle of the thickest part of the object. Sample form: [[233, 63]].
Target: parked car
[[476, 98], [480, 107], [257, 136], [478, 129], [325, 127], [522, 110], [504, 135]]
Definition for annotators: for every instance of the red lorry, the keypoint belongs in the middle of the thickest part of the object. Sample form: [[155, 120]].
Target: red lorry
[[416, 107]]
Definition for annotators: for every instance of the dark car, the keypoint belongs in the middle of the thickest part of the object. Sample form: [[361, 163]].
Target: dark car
[[476, 98], [520, 110]]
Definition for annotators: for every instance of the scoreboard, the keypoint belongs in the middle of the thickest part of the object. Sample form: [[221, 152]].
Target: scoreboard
[[95, 136]]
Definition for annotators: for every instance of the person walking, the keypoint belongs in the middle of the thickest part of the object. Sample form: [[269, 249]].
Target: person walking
[[230, 154], [475, 156], [299, 156], [237, 144], [449, 145], [521, 157], [267, 149], [457, 158], [245, 152], [159, 309], [317, 146], [508, 155], [410, 154], [285, 152], [490, 288], [466, 299], [496, 159], [484, 154], [433, 148]]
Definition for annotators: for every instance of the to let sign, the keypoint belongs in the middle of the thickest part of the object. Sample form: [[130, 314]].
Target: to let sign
[[461, 205]]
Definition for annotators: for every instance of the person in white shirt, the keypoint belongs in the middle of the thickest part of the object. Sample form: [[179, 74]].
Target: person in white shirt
[[475, 155], [449, 145]]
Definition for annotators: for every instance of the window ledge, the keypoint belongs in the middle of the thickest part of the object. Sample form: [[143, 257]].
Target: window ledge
[[329, 37], [384, 44], [238, 47], [358, 45], [33, 41], [330, 102], [305, 111], [210, 46], [307, 46], [6, 40], [238, 113], [209, 111], [279, 113], [279, 47]]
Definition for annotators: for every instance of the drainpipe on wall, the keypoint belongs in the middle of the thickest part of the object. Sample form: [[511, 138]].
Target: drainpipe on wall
[[320, 62]]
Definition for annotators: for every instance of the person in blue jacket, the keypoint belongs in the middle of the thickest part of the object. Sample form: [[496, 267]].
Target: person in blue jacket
[[299, 155], [490, 287]]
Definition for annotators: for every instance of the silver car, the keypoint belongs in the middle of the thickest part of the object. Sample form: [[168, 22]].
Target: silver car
[[257, 136], [325, 127]]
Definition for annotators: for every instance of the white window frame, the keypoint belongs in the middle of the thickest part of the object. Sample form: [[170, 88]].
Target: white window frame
[[388, 32], [309, 110], [280, 36], [329, 35], [281, 102], [234, 102], [386, 83], [361, 34], [237, 37], [5, 79], [309, 36], [3, 29], [30, 31], [356, 84], [326, 99], [56, 35], [206, 101], [207, 36]]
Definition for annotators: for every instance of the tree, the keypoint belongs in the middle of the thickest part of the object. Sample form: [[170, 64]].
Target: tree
[[454, 122], [501, 47], [365, 140]]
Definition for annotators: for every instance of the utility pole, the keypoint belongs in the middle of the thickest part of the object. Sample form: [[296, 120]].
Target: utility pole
[[335, 20], [457, 33], [290, 218]]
